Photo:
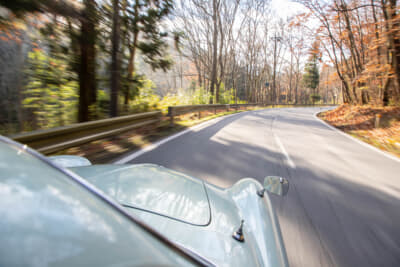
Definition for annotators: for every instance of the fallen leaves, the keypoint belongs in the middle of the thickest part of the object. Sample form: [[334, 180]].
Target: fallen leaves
[[359, 121]]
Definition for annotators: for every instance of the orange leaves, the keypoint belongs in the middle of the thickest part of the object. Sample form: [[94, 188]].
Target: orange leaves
[[8, 36], [360, 121], [332, 79], [299, 20]]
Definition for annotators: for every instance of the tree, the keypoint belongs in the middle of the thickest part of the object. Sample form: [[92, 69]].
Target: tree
[[115, 65], [361, 39], [141, 29], [311, 72], [210, 38], [87, 67]]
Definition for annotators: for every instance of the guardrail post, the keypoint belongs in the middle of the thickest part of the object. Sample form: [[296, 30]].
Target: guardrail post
[[377, 120], [199, 114], [215, 111], [171, 116]]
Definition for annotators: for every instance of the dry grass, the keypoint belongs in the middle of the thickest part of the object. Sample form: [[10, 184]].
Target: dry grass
[[359, 121]]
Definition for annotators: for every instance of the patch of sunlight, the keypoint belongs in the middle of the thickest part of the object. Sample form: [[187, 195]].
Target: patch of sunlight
[[137, 140], [113, 148]]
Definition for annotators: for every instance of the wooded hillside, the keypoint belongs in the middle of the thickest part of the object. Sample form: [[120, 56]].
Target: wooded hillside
[[71, 61]]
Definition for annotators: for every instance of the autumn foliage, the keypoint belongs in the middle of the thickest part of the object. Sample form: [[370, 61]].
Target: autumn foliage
[[360, 121], [361, 38]]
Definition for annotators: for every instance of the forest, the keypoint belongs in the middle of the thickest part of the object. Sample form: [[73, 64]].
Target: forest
[[68, 61]]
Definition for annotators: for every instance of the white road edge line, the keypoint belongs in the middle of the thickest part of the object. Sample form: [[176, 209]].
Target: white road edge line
[[288, 159], [355, 139], [169, 138]]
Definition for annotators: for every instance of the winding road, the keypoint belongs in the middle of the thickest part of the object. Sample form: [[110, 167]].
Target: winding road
[[343, 206]]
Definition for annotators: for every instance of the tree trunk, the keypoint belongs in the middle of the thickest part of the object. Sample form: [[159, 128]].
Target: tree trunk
[[273, 91], [395, 42], [364, 97], [132, 55], [393, 45], [215, 50], [131, 69], [386, 95], [115, 75], [87, 75]]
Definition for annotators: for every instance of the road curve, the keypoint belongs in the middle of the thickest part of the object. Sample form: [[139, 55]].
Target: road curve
[[343, 206]]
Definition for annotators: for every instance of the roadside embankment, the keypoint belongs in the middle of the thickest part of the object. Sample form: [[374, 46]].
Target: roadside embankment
[[378, 126]]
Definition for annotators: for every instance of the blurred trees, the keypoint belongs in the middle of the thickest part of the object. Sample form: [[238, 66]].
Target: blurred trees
[[50, 93], [134, 25], [142, 30], [87, 17], [89, 59], [72, 28]]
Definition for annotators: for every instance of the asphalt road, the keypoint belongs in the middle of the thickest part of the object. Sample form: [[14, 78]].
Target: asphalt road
[[343, 206]]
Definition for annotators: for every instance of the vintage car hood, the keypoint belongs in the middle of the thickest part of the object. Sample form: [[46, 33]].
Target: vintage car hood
[[153, 189], [186, 206]]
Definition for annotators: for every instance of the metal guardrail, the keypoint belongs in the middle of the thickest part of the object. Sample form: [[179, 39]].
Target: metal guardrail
[[56, 139], [181, 110], [52, 140]]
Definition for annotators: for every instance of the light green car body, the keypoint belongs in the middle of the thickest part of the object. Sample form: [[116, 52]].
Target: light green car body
[[127, 215]]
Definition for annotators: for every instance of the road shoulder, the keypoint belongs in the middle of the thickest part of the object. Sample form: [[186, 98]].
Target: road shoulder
[[361, 136]]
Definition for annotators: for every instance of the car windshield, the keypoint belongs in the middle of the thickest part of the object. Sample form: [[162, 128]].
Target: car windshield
[[152, 188]]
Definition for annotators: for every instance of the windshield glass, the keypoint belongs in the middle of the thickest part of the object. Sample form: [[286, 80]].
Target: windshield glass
[[152, 188]]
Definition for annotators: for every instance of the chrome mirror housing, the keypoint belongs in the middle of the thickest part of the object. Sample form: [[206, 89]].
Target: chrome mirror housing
[[276, 185]]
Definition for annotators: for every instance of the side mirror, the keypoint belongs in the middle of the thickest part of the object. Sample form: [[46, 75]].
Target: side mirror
[[276, 185]]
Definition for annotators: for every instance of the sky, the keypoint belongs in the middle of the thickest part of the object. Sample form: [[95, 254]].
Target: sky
[[286, 8]]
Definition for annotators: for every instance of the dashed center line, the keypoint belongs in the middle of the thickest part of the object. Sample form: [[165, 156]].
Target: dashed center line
[[288, 159]]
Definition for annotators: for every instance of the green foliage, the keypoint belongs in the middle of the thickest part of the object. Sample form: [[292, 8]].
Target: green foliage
[[131, 87], [146, 99], [172, 100], [226, 96], [200, 96], [49, 95], [142, 17], [153, 43], [315, 98], [311, 74]]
